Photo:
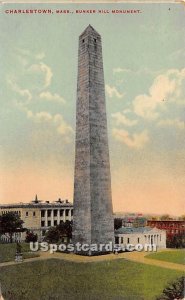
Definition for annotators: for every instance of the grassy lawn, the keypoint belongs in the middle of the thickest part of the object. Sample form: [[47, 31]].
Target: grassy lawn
[[176, 256], [58, 280], [7, 252]]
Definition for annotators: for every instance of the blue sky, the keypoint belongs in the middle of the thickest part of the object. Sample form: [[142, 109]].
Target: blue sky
[[144, 75]]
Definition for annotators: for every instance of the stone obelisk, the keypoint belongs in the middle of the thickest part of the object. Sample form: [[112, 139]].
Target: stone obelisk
[[93, 217]]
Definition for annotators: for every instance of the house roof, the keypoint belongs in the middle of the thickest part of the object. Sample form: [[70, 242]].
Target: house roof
[[132, 230]]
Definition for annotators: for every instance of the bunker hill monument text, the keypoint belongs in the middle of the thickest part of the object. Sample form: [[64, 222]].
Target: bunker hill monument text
[[93, 218]]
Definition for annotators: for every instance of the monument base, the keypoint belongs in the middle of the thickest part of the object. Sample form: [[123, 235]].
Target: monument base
[[92, 253], [94, 249]]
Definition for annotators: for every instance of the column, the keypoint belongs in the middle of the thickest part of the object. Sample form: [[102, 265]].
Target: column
[[52, 218], [69, 216], [46, 218], [64, 215], [58, 216]]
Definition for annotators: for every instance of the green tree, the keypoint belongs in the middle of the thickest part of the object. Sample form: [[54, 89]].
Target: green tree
[[178, 241], [10, 223], [165, 218], [54, 234], [182, 218], [65, 229], [31, 237], [175, 290]]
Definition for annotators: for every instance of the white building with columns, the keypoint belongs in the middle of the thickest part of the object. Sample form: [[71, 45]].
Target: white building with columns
[[38, 216], [141, 235]]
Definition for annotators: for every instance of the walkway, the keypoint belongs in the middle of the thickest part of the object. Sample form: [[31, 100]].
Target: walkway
[[130, 256]]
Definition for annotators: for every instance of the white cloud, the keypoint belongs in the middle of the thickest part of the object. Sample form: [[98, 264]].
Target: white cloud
[[27, 53], [172, 122], [120, 70], [177, 54], [162, 86], [25, 93], [40, 55], [62, 127], [127, 111], [48, 74], [112, 91], [37, 76], [137, 140], [145, 106], [24, 52], [136, 72], [42, 116], [48, 96], [165, 88], [122, 119], [41, 69], [56, 120]]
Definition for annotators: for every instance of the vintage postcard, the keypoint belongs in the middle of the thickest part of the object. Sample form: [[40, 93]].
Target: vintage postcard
[[92, 150]]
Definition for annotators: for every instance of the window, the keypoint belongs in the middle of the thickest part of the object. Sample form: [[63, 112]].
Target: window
[[138, 240], [95, 40], [55, 213], [26, 213], [121, 240], [34, 214], [61, 212], [83, 41], [116, 240], [49, 223], [71, 212], [42, 213], [49, 213], [55, 223], [67, 212], [128, 241], [42, 223]]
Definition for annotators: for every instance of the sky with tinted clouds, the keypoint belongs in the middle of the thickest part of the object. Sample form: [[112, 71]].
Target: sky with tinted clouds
[[145, 87]]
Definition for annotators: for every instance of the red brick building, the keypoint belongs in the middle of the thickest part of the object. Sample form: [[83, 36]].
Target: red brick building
[[172, 227]]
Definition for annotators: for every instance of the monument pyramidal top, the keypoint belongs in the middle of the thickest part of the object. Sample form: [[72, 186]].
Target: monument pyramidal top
[[89, 30]]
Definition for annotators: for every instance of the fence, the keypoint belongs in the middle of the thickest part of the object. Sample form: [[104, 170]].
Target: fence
[[5, 238]]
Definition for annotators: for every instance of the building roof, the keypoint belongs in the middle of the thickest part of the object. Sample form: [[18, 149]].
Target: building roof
[[38, 204], [159, 221], [130, 230], [126, 216]]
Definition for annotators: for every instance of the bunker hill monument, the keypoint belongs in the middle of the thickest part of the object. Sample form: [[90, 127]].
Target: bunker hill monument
[[93, 217]]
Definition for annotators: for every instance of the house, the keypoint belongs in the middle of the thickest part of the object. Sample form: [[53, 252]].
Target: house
[[141, 235]]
